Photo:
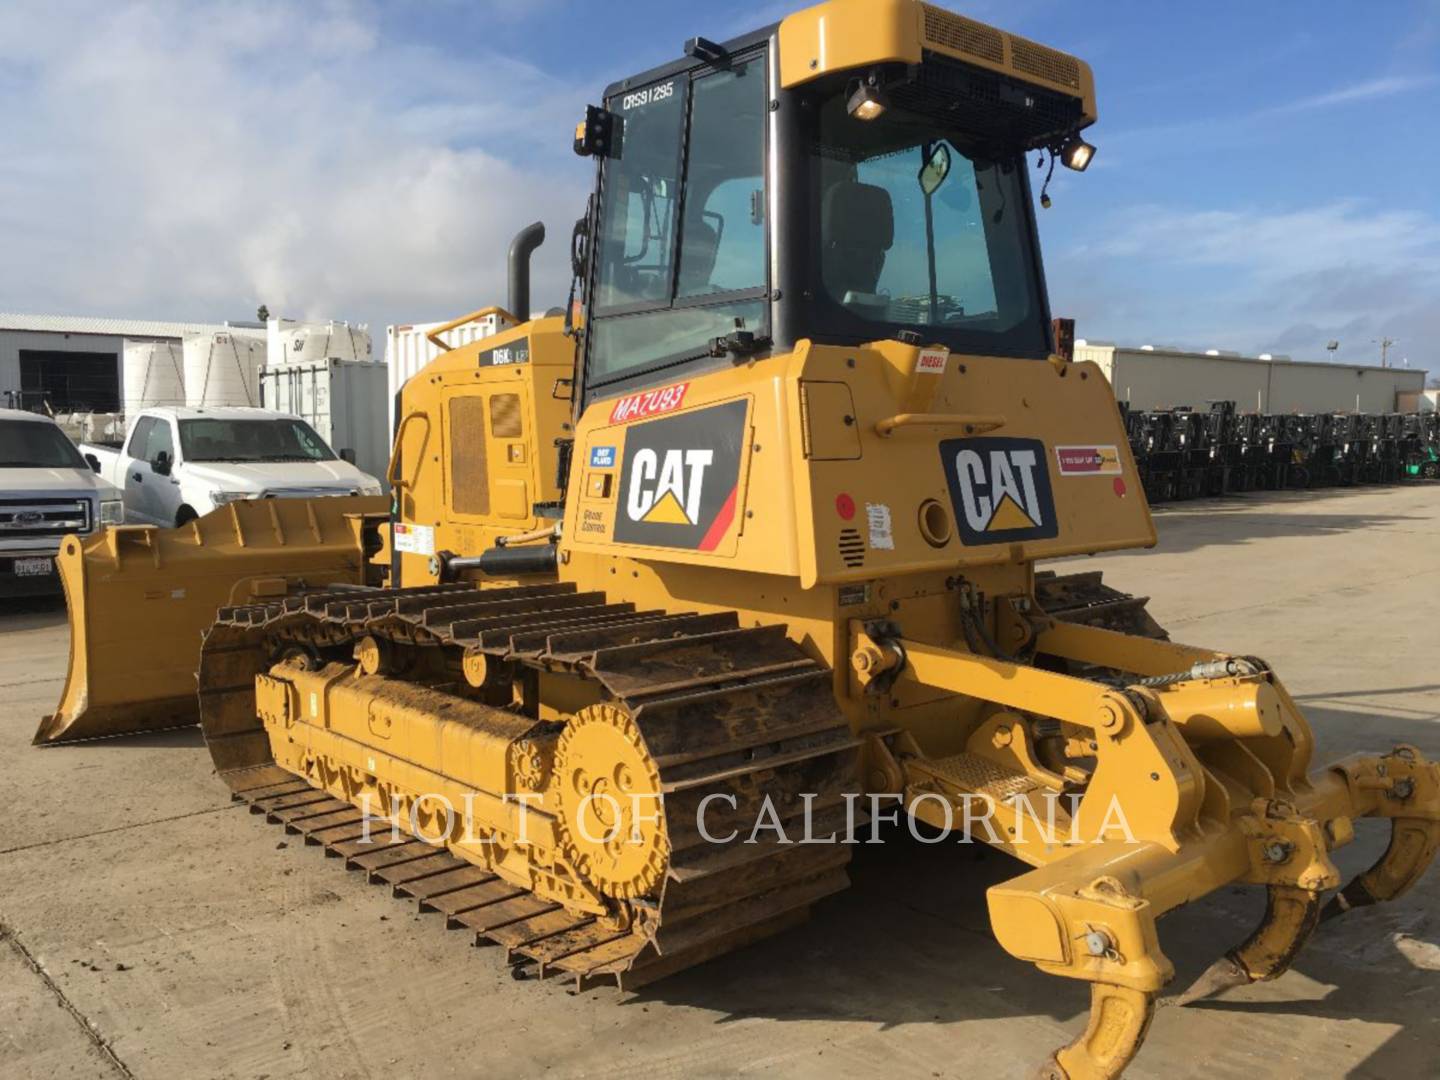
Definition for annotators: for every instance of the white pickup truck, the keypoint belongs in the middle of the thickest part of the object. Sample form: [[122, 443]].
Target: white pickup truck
[[46, 491], [177, 464]]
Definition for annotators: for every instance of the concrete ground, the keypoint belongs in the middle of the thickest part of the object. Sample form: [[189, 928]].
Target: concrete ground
[[152, 929]]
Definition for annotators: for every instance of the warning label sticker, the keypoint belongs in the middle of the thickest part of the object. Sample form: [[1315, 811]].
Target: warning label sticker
[[882, 534], [414, 539]]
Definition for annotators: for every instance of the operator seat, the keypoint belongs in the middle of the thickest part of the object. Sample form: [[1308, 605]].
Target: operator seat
[[858, 228], [700, 245]]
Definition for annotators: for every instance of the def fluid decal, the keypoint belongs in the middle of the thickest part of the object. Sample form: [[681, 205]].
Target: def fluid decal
[[602, 457], [680, 477], [1000, 488]]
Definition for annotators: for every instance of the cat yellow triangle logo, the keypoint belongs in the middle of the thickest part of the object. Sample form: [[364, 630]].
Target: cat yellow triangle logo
[[667, 511], [1008, 515]]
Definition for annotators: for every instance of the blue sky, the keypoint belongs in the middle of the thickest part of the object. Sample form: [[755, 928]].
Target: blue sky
[[1266, 176]]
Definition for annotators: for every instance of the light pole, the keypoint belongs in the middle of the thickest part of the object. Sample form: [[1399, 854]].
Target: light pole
[[1384, 343]]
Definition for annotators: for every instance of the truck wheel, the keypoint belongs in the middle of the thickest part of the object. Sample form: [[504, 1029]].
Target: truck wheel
[[184, 516]]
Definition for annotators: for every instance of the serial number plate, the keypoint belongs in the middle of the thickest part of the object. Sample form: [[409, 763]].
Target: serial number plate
[[34, 567]]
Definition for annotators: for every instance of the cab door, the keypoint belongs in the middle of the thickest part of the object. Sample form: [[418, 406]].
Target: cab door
[[162, 491], [135, 474]]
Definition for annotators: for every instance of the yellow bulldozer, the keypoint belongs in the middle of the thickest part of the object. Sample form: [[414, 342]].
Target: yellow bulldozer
[[682, 584]]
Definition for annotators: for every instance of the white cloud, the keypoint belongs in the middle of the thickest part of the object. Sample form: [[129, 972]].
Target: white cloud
[[1258, 280], [1281, 244], [1388, 86], [189, 161]]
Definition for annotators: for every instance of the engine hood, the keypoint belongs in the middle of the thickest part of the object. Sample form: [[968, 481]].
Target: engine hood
[[263, 476], [54, 483]]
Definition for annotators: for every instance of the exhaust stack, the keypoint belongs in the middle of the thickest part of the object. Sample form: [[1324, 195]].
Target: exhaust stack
[[521, 248]]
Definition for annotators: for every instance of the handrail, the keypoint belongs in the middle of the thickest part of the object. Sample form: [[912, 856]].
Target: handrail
[[433, 336], [393, 467], [972, 424]]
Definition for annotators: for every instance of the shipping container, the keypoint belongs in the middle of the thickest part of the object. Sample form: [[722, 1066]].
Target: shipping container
[[407, 349], [344, 400]]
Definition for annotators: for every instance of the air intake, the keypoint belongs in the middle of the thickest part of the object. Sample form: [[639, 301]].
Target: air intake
[[852, 547], [963, 35], [1043, 63], [995, 49]]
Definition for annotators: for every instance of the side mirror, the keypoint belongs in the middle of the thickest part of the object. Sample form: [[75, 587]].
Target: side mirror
[[935, 169], [93, 462], [161, 465], [348, 455]]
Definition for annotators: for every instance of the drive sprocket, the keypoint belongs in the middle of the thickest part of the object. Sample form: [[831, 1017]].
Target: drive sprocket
[[611, 825]]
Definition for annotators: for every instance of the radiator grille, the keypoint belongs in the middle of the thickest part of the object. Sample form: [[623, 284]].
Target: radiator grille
[[505, 422], [469, 482], [1043, 63], [33, 519], [952, 31], [852, 547]]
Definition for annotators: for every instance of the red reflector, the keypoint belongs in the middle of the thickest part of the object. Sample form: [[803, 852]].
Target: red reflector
[[845, 506], [1120, 487]]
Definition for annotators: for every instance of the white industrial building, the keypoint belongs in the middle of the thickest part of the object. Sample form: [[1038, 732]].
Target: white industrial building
[[76, 364], [92, 373], [1155, 377]]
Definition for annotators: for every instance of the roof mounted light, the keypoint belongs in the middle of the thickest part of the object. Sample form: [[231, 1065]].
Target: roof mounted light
[[867, 102], [1076, 153]]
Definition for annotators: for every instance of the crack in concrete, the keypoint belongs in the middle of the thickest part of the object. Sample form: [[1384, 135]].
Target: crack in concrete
[[118, 828], [30, 682], [92, 1032]]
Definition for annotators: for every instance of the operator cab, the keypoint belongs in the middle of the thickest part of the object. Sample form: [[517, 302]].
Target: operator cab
[[740, 208]]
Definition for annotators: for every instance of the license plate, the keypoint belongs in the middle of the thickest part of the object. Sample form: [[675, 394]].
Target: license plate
[[33, 567]]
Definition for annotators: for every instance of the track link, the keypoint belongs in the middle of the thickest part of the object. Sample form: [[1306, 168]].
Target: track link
[[739, 711]]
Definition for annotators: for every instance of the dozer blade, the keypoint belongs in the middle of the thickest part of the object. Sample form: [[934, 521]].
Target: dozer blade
[[141, 597]]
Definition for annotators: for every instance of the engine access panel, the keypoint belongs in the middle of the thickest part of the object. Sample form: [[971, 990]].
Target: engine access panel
[[836, 464]]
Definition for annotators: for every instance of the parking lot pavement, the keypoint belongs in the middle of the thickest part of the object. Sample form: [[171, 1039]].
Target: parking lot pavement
[[151, 929]]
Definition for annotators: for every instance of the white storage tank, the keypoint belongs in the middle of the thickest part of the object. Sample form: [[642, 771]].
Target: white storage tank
[[154, 375], [407, 349], [290, 341], [222, 369]]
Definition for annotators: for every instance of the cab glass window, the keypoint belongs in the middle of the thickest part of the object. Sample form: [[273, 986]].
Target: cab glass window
[[682, 258], [160, 441], [140, 436], [642, 188], [722, 246]]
